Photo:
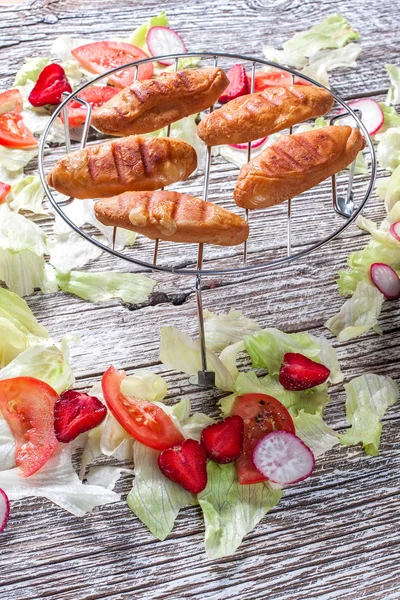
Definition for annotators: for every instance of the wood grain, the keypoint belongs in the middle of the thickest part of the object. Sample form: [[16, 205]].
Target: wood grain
[[334, 536]]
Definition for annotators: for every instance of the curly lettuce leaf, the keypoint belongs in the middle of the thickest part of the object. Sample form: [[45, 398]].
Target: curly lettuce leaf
[[379, 233], [333, 59], [388, 189], [368, 398], [333, 32], [103, 286], [138, 37], [69, 251], [225, 329], [390, 116], [232, 510], [393, 96], [13, 160], [358, 314], [153, 498], [179, 351], [291, 59], [7, 446], [315, 433], [388, 151], [30, 70], [28, 194], [16, 309]]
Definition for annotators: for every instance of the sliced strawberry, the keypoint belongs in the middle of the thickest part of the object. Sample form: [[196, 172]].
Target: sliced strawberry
[[301, 373], [223, 442], [186, 465], [51, 84], [4, 190], [75, 413], [238, 84]]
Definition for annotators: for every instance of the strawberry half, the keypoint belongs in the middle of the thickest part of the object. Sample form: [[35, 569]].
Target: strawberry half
[[4, 191], [49, 87], [186, 465], [301, 373], [75, 413], [223, 442], [238, 84]]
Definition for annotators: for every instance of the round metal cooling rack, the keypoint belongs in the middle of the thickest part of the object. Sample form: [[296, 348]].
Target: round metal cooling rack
[[345, 205]]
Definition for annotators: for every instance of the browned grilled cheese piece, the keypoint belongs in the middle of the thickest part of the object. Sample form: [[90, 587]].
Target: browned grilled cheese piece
[[154, 103], [296, 163], [129, 164], [173, 217], [256, 115]]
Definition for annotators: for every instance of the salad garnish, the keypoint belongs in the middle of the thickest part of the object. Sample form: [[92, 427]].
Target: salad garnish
[[4, 510], [185, 465], [223, 441], [301, 373], [76, 413]]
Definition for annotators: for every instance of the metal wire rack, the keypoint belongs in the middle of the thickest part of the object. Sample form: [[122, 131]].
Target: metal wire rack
[[347, 206]]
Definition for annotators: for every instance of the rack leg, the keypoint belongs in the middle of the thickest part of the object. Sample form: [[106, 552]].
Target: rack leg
[[204, 378]]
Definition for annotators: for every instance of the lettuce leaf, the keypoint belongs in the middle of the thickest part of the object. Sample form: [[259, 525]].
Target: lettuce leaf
[[153, 498], [7, 446], [388, 188], [138, 37], [291, 59], [185, 129], [28, 194], [179, 351], [103, 286], [388, 151], [58, 482], [16, 309], [333, 32], [393, 96], [232, 510], [47, 363], [145, 385], [15, 159], [70, 251], [381, 233], [315, 433], [30, 70], [391, 118], [368, 398], [225, 329], [333, 59], [358, 314]]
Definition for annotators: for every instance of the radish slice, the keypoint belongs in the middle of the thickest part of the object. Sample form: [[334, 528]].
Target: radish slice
[[4, 510], [254, 144], [283, 458], [163, 40], [372, 115], [395, 230], [386, 280]]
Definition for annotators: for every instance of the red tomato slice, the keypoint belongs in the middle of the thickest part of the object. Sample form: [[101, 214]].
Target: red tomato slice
[[27, 405], [261, 415], [103, 56], [144, 421], [4, 190], [264, 80], [10, 101], [95, 95], [14, 132]]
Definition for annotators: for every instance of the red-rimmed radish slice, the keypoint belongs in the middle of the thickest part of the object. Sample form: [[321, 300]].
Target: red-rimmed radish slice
[[386, 280], [254, 144], [4, 510], [395, 230], [283, 458], [163, 40], [372, 115]]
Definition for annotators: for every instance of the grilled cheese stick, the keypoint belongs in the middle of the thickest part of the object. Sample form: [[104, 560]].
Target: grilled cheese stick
[[128, 164], [173, 217], [256, 115], [296, 163], [154, 103]]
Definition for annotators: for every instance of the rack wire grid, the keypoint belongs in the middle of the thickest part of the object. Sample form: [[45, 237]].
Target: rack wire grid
[[254, 257]]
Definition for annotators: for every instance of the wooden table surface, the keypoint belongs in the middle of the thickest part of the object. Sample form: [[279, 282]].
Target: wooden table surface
[[335, 536]]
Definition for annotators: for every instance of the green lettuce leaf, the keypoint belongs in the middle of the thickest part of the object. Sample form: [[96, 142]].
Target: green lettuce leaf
[[153, 498], [70, 251], [145, 385], [333, 32], [223, 330], [290, 59], [138, 37], [15, 159], [381, 233], [232, 510], [22, 249], [229, 355], [28, 194], [47, 363], [7, 446], [16, 309], [388, 188], [179, 351], [333, 59], [30, 70], [391, 118], [185, 129], [388, 151], [368, 398], [318, 73], [103, 286], [393, 96], [315, 433], [358, 314]]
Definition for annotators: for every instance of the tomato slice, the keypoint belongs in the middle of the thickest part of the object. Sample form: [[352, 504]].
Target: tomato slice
[[27, 405], [144, 421], [264, 80], [95, 95], [4, 190], [10, 101], [14, 132], [261, 415], [99, 57]]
